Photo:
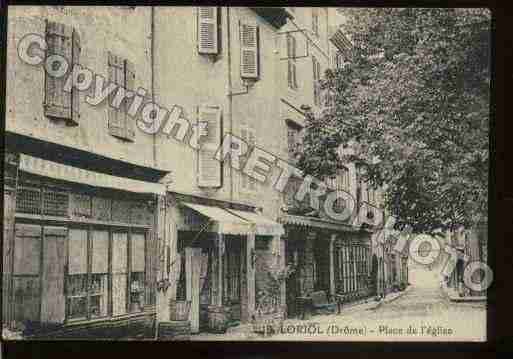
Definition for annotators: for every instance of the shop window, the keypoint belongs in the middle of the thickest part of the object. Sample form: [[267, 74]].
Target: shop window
[[119, 272], [137, 272], [263, 243], [181, 293], [77, 274], [232, 268], [99, 274]]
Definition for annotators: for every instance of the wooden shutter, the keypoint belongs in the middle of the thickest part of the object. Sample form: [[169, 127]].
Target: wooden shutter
[[315, 21], [249, 51], [314, 72], [209, 169], [291, 65], [57, 101], [54, 260], [129, 85], [207, 30], [116, 121]]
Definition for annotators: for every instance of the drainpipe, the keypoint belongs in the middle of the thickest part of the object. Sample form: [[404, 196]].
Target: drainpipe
[[152, 59], [230, 87], [157, 209]]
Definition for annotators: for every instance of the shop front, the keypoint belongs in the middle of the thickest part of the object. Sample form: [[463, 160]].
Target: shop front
[[79, 251], [329, 258], [215, 261]]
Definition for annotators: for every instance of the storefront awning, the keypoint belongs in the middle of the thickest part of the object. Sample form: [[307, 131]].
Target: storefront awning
[[304, 221], [262, 226], [224, 221], [68, 173]]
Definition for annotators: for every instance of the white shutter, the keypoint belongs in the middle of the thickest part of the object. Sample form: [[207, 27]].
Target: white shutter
[[209, 169], [207, 30], [249, 51]]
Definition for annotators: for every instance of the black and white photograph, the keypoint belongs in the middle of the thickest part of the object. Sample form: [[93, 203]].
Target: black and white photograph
[[203, 173]]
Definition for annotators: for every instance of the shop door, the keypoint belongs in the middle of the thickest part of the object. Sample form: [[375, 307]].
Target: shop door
[[292, 283], [54, 260], [193, 266], [26, 275], [374, 274]]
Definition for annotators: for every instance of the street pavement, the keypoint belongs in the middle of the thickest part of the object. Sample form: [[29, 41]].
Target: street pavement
[[422, 313]]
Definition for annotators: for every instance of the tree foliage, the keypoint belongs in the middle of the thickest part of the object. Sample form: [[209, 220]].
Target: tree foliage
[[412, 103]]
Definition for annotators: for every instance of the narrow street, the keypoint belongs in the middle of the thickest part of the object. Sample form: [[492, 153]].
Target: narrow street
[[422, 313]]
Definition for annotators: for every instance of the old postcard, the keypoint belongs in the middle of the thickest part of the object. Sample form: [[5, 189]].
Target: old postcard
[[246, 173]]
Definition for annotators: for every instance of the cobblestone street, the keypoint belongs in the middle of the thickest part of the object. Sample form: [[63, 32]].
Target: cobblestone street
[[423, 307]]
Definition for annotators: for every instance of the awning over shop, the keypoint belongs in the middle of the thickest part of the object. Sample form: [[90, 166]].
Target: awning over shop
[[224, 221], [304, 221], [68, 173], [262, 225]]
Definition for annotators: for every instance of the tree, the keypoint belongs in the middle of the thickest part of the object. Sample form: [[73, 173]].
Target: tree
[[413, 105]]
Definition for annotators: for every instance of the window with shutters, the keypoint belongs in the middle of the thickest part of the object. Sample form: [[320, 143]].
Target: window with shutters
[[209, 169], [315, 21], [122, 73], [248, 134], [58, 104], [291, 55], [249, 54], [316, 68], [208, 30]]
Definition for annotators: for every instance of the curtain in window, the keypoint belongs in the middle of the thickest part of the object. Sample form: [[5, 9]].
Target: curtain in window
[[77, 273], [99, 273], [119, 272], [137, 275]]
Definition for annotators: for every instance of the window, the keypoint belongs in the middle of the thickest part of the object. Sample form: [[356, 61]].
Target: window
[[248, 134], [249, 54], [352, 267], [315, 21], [122, 73], [209, 169], [208, 30], [62, 40], [232, 270], [81, 271], [88, 274], [338, 59], [316, 78], [294, 140], [291, 62]]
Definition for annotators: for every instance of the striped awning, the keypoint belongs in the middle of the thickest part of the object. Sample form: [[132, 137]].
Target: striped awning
[[312, 222], [261, 225], [68, 173], [224, 221]]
